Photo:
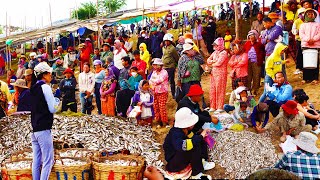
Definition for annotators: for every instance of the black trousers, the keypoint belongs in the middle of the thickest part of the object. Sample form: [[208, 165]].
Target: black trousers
[[171, 72], [274, 107], [67, 103], [299, 61], [194, 157], [312, 122]]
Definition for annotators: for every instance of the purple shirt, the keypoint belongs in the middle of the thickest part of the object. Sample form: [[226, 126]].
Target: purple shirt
[[271, 34], [252, 55]]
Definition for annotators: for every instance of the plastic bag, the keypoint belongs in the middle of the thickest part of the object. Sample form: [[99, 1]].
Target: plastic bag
[[135, 112], [210, 141]]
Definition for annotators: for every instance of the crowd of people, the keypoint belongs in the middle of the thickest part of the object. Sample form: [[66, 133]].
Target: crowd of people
[[119, 81]]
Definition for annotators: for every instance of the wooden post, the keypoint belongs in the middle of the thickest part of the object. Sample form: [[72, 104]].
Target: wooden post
[[196, 26], [98, 32], [263, 4], [236, 18]]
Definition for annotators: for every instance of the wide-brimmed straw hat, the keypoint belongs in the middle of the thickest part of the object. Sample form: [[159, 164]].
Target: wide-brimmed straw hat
[[185, 118], [20, 83], [307, 141]]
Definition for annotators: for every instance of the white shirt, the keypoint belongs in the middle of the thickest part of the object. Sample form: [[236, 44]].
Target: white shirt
[[128, 45], [86, 82], [117, 58]]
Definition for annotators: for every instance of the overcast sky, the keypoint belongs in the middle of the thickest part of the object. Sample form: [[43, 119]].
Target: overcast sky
[[36, 12]]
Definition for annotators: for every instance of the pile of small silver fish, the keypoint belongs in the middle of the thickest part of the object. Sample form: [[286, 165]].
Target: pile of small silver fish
[[70, 162], [242, 153], [120, 163], [95, 132], [18, 165], [75, 153]]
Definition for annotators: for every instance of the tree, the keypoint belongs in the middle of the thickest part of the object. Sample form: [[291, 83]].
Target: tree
[[85, 11], [113, 6]]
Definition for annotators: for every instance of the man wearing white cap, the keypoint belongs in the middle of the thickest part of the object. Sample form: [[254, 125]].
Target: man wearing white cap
[[182, 147], [42, 119], [118, 54], [305, 162], [189, 69]]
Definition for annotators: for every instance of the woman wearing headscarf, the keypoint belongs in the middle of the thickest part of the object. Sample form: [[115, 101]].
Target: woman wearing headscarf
[[144, 54], [123, 98], [310, 39], [99, 77], [159, 85], [144, 98], [107, 93], [238, 63], [256, 54], [218, 61]]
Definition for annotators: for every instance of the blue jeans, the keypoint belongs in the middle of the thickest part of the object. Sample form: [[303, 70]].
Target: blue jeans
[[42, 147], [267, 80], [84, 108], [97, 95]]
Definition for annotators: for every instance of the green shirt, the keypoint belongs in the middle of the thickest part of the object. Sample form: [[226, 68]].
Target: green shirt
[[193, 67]]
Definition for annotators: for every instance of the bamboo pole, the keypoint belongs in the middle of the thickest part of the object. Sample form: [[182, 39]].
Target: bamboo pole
[[51, 27], [236, 18], [196, 26], [98, 32]]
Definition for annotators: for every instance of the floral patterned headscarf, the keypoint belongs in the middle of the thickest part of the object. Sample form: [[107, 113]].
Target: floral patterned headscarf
[[219, 44]]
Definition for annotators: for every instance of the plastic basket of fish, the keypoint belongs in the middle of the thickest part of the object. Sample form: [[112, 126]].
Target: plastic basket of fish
[[77, 153], [72, 168], [17, 170], [118, 167]]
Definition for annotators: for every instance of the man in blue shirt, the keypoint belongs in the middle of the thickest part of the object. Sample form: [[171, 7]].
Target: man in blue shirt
[[278, 94], [305, 162]]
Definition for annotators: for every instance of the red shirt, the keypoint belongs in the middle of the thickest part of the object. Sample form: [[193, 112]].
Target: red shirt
[[141, 65]]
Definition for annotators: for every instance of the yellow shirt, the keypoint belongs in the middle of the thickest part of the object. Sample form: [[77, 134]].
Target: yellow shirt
[[227, 39], [296, 26]]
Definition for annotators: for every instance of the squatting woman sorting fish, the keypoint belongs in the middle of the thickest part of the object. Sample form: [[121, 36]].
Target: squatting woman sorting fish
[[42, 119]]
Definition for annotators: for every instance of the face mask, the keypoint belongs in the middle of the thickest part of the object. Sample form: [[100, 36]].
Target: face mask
[[143, 35], [134, 74], [210, 20]]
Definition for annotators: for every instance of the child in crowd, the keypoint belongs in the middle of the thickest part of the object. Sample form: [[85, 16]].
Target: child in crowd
[[243, 98], [134, 79], [144, 98], [260, 115], [123, 98], [68, 90], [227, 40], [107, 92], [242, 114]]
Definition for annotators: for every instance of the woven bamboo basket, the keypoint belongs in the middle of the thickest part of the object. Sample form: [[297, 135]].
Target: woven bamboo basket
[[16, 174], [102, 171], [75, 172]]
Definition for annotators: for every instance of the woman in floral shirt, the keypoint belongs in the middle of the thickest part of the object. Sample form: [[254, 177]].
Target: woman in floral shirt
[[159, 85]]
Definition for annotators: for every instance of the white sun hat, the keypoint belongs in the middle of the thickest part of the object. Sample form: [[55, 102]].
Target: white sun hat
[[307, 141], [185, 118], [186, 47], [42, 67]]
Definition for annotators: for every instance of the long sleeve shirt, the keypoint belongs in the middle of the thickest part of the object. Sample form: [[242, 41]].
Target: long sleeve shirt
[[86, 82], [48, 95], [268, 38], [280, 94], [159, 81]]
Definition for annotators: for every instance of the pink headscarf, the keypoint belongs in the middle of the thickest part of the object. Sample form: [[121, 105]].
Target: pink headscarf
[[219, 42], [253, 32]]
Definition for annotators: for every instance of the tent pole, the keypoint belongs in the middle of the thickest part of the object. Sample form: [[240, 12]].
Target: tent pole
[[98, 32], [236, 19], [263, 3], [196, 26]]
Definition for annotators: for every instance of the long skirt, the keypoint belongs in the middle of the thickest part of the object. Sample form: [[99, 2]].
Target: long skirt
[[108, 106]]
